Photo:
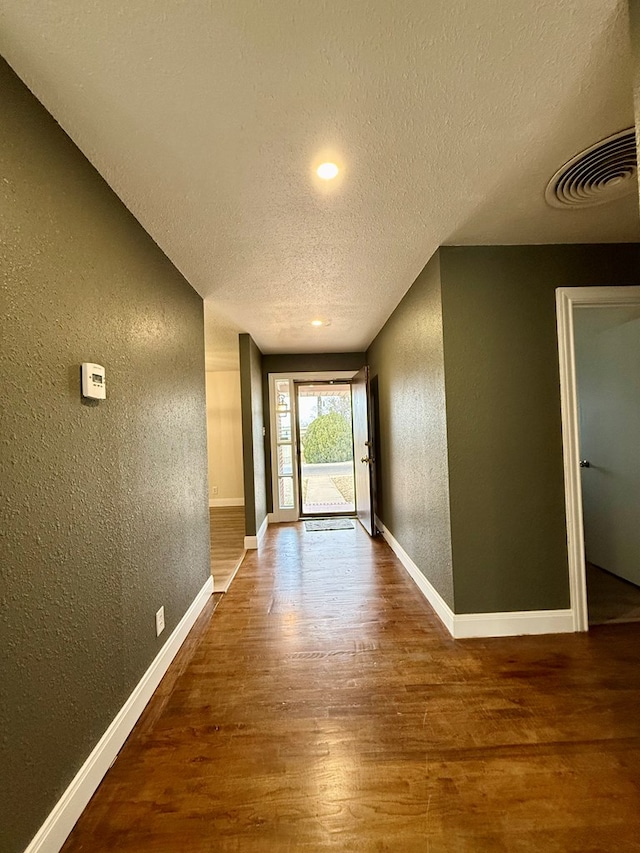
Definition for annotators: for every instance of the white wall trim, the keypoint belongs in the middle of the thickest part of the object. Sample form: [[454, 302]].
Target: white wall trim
[[56, 828], [467, 625], [226, 502], [567, 298], [253, 542], [512, 624]]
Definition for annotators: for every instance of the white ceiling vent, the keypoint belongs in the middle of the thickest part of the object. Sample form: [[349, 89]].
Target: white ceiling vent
[[604, 172]]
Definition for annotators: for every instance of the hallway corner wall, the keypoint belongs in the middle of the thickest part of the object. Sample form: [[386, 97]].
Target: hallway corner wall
[[508, 526], [104, 504], [407, 367], [253, 435]]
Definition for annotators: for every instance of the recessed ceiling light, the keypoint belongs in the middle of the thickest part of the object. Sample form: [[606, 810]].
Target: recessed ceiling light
[[317, 323], [327, 171]]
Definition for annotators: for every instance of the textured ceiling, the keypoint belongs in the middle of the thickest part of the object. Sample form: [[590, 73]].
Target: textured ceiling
[[448, 117]]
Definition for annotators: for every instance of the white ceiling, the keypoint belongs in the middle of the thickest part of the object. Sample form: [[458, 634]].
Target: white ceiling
[[447, 116]]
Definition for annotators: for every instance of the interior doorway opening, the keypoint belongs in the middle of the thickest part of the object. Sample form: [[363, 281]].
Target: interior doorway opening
[[326, 483], [601, 456]]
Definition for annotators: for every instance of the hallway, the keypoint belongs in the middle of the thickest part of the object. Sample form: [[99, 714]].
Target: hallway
[[324, 707]]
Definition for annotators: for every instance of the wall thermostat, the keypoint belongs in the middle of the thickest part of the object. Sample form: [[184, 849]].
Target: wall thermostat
[[93, 385]]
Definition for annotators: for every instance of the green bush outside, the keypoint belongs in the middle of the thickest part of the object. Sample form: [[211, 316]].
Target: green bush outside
[[328, 439]]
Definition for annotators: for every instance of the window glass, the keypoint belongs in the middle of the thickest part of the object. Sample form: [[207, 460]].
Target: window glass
[[285, 459], [283, 426], [285, 489]]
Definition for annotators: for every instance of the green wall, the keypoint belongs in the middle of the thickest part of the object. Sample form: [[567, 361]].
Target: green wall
[[407, 370], [474, 491], [103, 505], [253, 427], [298, 363], [508, 527], [307, 362]]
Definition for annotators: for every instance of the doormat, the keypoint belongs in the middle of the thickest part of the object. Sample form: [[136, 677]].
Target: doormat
[[329, 524]]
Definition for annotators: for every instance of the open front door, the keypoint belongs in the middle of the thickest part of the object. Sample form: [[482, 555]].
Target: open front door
[[363, 450]]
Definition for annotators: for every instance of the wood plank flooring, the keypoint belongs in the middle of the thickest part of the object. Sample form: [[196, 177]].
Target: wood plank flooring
[[324, 708], [611, 598], [227, 528]]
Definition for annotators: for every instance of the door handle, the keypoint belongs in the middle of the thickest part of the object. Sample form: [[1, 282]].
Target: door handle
[[584, 463]]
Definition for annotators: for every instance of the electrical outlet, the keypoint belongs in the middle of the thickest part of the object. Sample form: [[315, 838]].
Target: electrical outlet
[[160, 621], [215, 490]]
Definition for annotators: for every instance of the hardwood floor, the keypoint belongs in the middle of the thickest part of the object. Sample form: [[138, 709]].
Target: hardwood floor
[[324, 708], [610, 598], [227, 544]]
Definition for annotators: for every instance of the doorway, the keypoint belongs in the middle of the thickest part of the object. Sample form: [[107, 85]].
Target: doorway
[[284, 440], [597, 458], [325, 449], [285, 443]]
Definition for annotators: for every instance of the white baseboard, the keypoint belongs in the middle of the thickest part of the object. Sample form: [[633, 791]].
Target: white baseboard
[[56, 828], [512, 624], [253, 542], [226, 501], [468, 625]]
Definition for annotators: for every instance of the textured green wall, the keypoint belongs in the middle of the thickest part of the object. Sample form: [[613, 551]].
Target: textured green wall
[[503, 416], [473, 490], [307, 362], [103, 505], [407, 370], [253, 455]]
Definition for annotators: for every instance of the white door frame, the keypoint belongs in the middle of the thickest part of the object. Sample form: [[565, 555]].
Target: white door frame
[[567, 298], [278, 515]]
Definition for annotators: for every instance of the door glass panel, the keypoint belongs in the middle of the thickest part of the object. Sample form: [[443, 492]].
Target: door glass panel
[[285, 459], [283, 400], [283, 426], [326, 448], [285, 492]]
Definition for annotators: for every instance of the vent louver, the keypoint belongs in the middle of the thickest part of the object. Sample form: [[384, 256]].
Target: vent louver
[[604, 172]]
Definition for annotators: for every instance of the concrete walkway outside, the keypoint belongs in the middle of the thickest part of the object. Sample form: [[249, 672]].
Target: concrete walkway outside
[[322, 495]]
